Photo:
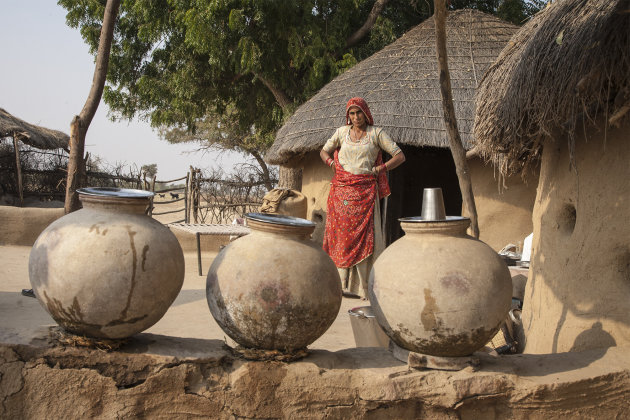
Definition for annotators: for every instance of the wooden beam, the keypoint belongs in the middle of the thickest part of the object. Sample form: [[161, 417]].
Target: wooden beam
[[18, 169]]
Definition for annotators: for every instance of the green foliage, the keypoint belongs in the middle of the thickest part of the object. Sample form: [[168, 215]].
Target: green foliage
[[185, 64], [150, 169], [514, 11], [212, 70]]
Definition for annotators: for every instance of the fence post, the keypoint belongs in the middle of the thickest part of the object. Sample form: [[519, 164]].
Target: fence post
[[195, 194], [18, 168], [186, 198]]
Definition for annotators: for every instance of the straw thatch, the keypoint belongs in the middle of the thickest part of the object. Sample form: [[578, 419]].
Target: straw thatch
[[567, 67], [33, 135], [401, 85]]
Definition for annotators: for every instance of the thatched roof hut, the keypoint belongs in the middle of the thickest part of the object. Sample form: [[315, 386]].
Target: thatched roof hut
[[32, 135], [401, 85], [560, 94], [570, 63]]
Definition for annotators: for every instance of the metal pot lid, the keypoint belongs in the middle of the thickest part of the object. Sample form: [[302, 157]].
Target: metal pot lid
[[279, 219], [419, 219], [362, 311], [115, 192]]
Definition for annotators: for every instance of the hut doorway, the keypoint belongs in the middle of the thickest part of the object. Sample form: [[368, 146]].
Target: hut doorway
[[425, 167]]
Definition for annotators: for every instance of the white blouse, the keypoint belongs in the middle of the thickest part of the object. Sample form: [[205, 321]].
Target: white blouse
[[360, 157]]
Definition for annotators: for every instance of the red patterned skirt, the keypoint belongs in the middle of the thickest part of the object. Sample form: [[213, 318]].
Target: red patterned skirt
[[349, 237]]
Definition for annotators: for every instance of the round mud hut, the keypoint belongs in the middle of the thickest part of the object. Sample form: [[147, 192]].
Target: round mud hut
[[559, 93], [401, 85]]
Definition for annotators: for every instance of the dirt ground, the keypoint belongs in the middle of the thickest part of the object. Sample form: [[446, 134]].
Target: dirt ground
[[21, 318]]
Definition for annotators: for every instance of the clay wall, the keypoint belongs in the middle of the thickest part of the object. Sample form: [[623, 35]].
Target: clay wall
[[22, 225], [504, 210], [182, 378], [578, 288], [316, 178]]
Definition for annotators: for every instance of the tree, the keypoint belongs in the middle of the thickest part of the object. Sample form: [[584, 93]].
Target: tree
[[222, 133], [192, 66], [150, 169], [514, 11], [450, 120], [81, 122]]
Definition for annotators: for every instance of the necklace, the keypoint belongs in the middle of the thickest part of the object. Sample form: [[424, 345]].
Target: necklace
[[357, 139]]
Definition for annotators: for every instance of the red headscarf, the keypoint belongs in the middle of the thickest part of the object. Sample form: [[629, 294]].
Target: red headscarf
[[360, 102]]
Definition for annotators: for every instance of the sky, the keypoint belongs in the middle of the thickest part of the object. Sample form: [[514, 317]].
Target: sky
[[45, 77]]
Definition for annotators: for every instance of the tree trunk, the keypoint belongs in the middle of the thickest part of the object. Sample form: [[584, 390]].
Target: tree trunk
[[367, 26], [18, 169], [459, 154], [281, 97], [265, 169], [290, 178], [81, 122]]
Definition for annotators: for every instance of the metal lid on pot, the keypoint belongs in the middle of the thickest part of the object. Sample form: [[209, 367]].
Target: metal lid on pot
[[115, 192], [420, 219], [279, 219], [432, 209]]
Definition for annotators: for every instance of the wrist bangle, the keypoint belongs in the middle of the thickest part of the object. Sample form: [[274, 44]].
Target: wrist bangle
[[384, 167]]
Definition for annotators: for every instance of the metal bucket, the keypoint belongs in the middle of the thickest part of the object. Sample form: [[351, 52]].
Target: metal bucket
[[367, 332]]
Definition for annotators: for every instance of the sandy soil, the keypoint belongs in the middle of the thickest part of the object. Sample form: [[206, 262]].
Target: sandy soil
[[22, 318]]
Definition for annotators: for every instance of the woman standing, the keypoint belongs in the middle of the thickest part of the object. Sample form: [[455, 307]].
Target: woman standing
[[353, 235]]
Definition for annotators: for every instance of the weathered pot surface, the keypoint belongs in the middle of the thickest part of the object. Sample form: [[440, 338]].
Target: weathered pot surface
[[274, 288], [107, 270], [438, 291]]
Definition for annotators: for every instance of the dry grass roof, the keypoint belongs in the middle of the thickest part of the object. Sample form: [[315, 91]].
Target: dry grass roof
[[401, 85], [568, 66], [33, 135]]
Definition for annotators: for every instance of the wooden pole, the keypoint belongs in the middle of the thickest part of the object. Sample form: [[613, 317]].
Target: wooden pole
[[455, 142], [81, 122], [18, 169]]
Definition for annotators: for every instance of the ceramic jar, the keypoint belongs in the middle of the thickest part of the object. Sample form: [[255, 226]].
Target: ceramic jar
[[107, 270], [438, 291], [274, 288]]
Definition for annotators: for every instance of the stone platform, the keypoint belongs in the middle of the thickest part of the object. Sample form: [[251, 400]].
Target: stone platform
[[165, 377], [179, 369]]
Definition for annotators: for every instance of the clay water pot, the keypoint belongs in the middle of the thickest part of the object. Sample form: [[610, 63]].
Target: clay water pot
[[107, 270], [438, 291], [274, 288]]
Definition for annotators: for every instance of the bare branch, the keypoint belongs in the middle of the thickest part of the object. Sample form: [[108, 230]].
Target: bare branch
[[369, 23]]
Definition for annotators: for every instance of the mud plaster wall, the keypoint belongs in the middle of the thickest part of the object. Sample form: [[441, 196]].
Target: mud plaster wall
[[578, 289], [191, 378], [316, 178], [22, 225], [505, 214]]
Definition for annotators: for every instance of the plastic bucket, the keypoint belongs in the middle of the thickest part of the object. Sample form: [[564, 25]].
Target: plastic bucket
[[367, 332]]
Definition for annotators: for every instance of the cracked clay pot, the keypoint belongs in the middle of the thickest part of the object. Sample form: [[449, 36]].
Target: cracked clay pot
[[438, 291], [274, 288], [107, 270]]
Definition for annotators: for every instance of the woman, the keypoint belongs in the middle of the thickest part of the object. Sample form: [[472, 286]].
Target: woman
[[353, 235]]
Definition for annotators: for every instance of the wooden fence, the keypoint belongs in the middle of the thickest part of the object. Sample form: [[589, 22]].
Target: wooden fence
[[211, 200]]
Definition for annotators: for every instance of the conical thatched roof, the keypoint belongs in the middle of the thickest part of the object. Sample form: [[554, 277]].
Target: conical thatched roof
[[401, 85], [33, 135], [572, 60]]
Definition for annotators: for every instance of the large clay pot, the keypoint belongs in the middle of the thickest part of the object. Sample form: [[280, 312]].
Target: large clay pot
[[438, 291], [274, 288], [107, 270]]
